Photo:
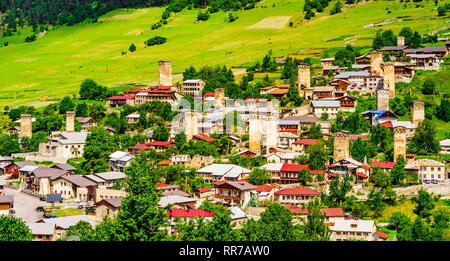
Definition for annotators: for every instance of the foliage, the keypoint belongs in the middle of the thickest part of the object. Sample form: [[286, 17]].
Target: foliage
[[83, 230], [424, 204], [14, 229], [99, 145], [424, 140], [90, 90], [398, 173], [156, 40], [314, 228], [258, 176]]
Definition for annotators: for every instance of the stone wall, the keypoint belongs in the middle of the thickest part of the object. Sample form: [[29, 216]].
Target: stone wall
[[399, 142], [417, 112], [341, 147], [164, 73]]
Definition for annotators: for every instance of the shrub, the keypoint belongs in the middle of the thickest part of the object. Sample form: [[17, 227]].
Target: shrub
[[157, 40]]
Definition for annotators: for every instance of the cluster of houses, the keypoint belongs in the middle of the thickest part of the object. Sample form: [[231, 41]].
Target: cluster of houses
[[274, 134]]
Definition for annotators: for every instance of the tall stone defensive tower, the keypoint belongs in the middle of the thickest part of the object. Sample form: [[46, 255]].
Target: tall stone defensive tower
[[376, 58], [219, 97], [341, 147], [270, 124], [70, 121], [399, 142], [304, 76], [417, 112], [255, 133], [400, 41], [26, 128], [190, 124], [382, 100], [389, 78], [164, 73]]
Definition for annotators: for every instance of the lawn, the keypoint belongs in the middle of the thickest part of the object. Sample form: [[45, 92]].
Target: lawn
[[67, 212], [406, 207], [55, 65]]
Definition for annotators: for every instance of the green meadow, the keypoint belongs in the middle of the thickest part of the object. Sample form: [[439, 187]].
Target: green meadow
[[54, 65]]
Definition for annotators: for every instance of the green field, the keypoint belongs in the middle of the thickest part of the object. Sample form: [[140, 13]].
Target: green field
[[55, 65]]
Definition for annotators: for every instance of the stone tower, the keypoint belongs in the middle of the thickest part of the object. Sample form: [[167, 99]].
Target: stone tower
[[26, 126], [382, 100], [270, 126], [341, 147], [389, 78], [255, 133], [376, 58], [70, 121], [400, 41], [190, 124], [304, 76], [417, 112], [219, 97], [399, 142], [164, 73]]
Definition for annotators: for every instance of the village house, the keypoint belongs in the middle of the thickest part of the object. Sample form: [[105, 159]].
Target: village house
[[350, 167], [385, 166], [119, 160], [11, 171], [5, 160], [185, 215], [203, 192], [320, 92], [68, 186], [43, 231], [192, 87], [277, 91], [61, 147], [344, 230], [340, 86], [86, 122], [296, 196], [266, 192], [216, 172], [238, 217], [110, 178], [63, 223], [133, 118], [6, 204], [167, 187], [234, 192], [107, 207], [427, 170], [289, 173], [302, 144], [286, 139], [331, 214], [39, 182], [379, 116], [358, 78], [158, 146], [177, 201], [445, 146], [323, 106], [120, 100]]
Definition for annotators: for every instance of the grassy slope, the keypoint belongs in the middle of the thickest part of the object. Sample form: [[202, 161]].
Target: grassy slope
[[55, 65]]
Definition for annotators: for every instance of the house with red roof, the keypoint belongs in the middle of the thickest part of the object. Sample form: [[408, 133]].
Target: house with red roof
[[349, 167], [289, 173], [190, 214], [156, 145], [266, 192], [331, 214], [120, 100], [302, 144], [167, 187], [248, 153], [204, 138], [203, 192], [386, 166], [380, 236], [296, 196]]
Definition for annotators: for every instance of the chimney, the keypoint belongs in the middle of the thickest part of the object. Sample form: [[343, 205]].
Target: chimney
[[70, 121]]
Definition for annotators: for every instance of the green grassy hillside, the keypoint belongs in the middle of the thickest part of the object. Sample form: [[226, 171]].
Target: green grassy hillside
[[55, 64]]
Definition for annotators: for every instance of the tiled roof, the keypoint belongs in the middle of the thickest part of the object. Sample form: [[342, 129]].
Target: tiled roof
[[381, 234], [387, 124], [294, 167], [320, 172], [203, 189], [416, 164], [164, 162], [382, 164], [306, 141], [361, 175], [297, 191], [355, 137], [159, 143], [264, 188], [204, 138], [177, 212]]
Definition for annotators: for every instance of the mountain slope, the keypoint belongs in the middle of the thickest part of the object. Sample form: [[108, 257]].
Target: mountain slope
[[54, 65]]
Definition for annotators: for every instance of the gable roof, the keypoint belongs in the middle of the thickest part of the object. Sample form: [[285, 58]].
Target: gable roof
[[240, 185], [115, 202], [66, 222], [65, 166], [293, 167], [51, 173], [41, 228], [382, 164], [79, 180], [24, 163], [112, 175], [297, 191], [177, 212], [204, 138], [346, 225], [306, 141]]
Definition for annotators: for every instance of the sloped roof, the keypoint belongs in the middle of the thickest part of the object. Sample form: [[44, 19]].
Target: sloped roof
[[237, 213], [297, 191], [41, 228], [66, 222], [346, 225], [294, 167], [177, 212], [65, 166], [382, 164], [115, 202], [306, 141], [112, 175], [51, 173], [79, 180], [240, 185]]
